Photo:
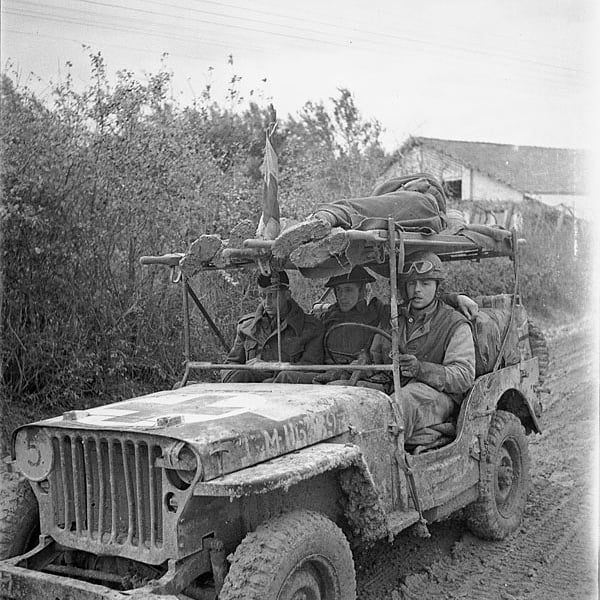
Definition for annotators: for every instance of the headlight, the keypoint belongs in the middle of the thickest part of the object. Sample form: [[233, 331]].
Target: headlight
[[188, 465], [182, 465], [33, 453]]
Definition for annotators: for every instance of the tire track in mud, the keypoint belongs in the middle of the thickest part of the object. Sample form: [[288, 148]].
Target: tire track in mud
[[552, 555], [575, 556], [527, 565], [384, 567]]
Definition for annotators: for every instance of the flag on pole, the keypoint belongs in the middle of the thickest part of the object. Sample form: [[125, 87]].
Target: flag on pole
[[268, 226]]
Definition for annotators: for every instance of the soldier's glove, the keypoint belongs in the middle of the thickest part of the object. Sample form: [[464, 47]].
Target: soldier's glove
[[409, 365], [432, 374]]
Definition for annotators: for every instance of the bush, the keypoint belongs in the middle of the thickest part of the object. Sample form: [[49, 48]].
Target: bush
[[113, 172], [554, 272]]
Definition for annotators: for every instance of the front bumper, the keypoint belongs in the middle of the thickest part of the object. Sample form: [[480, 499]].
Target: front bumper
[[19, 582]]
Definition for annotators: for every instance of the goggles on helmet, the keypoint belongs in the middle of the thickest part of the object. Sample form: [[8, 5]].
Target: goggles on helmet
[[420, 267]]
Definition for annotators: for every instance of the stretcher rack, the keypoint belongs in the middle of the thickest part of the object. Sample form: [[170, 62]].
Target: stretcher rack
[[341, 249]]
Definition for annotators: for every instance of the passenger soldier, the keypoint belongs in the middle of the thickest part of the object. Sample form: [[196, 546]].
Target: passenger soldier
[[256, 337], [437, 360]]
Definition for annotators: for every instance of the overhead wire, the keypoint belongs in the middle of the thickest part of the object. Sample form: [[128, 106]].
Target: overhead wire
[[115, 27], [354, 30], [50, 16], [203, 41], [377, 34], [376, 39], [212, 41]]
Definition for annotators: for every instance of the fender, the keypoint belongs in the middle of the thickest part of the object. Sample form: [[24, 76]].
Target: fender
[[514, 401], [282, 472], [363, 508], [512, 389]]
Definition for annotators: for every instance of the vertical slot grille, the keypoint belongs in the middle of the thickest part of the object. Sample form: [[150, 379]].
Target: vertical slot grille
[[107, 489]]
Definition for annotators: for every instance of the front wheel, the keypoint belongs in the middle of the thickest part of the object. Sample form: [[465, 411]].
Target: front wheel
[[297, 556], [504, 480], [19, 516]]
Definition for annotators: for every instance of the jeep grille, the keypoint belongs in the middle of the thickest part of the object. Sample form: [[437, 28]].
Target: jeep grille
[[107, 489]]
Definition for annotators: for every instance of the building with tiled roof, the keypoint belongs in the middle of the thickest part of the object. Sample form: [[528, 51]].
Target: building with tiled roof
[[482, 171]]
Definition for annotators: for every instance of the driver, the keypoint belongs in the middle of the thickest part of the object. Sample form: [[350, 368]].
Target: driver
[[437, 360], [344, 344]]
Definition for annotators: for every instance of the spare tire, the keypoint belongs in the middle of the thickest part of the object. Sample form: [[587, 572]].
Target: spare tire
[[539, 348]]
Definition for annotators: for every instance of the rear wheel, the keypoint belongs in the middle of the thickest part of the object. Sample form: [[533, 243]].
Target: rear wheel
[[297, 556], [504, 480], [19, 516]]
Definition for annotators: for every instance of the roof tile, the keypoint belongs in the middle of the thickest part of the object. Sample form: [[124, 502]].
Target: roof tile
[[528, 169]]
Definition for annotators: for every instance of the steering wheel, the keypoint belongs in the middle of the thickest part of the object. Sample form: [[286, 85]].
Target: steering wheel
[[351, 355]]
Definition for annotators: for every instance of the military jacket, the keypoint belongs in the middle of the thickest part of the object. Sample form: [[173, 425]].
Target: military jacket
[[256, 338], [442, 340], [342, 345]]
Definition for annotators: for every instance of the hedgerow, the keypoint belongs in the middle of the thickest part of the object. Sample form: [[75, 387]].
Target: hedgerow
[[95, 178]]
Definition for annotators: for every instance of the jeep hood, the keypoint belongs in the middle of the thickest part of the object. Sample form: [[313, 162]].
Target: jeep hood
[[233, 426]]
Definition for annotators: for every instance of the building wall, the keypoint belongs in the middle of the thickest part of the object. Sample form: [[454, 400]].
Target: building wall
[[421, 159], [475, 185], [486, 188]]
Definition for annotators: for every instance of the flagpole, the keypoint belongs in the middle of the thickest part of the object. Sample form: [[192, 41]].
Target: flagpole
[[278, 327], [268, 226]]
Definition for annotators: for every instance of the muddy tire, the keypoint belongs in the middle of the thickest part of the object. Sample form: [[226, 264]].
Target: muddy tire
[[504, 480], [539, 348], [297, 555], [19, 516]]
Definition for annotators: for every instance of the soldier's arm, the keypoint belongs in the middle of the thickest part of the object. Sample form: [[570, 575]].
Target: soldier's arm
[[380, 350], [237, 354], [313, 345], [461, 303], [456, 374]]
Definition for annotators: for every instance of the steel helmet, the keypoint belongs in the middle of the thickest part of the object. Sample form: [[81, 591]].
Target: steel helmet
[[277, 279], [422, 265], [357, 275]]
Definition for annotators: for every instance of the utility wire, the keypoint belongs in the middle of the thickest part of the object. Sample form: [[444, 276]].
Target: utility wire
[[205, 41], [377, 34], [377, 37]]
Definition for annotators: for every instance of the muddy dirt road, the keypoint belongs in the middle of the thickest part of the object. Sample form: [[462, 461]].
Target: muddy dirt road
[[553, 554]]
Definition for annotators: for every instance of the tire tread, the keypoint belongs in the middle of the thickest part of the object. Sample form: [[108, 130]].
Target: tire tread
[[483, 518], [18, 514], [256, 560]]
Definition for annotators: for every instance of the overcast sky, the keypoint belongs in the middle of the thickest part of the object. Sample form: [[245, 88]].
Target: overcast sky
[[508, 71]]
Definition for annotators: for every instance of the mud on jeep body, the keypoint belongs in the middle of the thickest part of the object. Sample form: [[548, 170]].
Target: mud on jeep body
[[260, 490]]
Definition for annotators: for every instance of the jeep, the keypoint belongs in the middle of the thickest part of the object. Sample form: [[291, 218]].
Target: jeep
[[260, 491]]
